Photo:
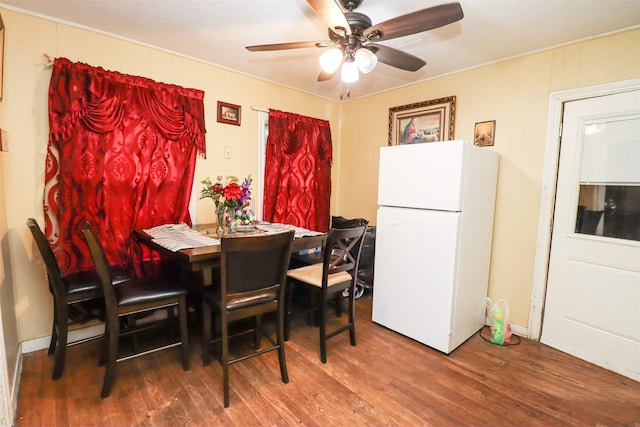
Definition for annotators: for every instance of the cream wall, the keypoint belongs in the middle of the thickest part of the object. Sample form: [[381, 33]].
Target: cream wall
[[515, 93], [25, 121]]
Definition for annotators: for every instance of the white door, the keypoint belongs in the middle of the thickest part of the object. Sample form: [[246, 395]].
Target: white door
[[592, 307]]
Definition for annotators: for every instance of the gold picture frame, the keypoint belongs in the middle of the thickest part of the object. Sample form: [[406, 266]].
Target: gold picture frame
[[484, 133], [426, 121]]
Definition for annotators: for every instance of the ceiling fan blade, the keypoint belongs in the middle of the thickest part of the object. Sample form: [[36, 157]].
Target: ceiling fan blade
[[396, 58], [331, 14], [284, 46], [417, 22]]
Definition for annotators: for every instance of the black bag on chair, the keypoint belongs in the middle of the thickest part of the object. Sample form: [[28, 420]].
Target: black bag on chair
[[342, 222]]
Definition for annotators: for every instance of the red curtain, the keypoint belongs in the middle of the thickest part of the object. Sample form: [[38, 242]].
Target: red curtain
[[297, 187], [121, 155]]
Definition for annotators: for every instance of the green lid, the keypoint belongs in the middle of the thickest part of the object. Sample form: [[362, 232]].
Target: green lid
[[498, 314]]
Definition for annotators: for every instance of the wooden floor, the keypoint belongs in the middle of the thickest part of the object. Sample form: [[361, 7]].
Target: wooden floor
[[386, 379]]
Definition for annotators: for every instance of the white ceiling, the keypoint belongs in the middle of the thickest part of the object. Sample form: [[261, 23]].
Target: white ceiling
[[216, 31]]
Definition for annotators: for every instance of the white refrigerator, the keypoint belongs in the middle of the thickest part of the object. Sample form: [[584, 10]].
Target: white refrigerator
[[433, 240]]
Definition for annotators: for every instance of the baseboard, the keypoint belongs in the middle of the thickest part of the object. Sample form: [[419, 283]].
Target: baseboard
[[518, 330], [83, 333], [75, 335]]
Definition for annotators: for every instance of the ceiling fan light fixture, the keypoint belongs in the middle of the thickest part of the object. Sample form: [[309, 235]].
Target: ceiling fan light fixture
[[330, 60], [366, 60], [350, 72]]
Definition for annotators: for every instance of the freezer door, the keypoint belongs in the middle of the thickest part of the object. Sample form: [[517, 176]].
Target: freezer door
[[415, 269], [422, 176]]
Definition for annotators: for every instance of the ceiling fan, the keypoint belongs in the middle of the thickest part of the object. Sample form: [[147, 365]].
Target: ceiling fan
[[352, 37]]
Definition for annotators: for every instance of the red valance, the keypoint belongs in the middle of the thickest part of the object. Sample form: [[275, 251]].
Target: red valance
[[101, 98]]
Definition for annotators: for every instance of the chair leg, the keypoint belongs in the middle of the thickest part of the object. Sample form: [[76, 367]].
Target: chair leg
[[104, 348], [206, 333], [54, 333], [280, 339], [352, 320], [184, 334], [313, 316], [61, 328], [112, 356], [323, 328], [257, 337], [287, 310], [339, 304], [131, 323], [224, 361]]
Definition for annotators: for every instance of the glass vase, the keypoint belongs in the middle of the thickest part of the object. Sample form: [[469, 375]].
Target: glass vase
[[220, 225], [231, 217]]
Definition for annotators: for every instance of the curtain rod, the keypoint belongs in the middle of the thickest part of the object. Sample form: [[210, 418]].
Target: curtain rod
[[264, 110], [48, 60]]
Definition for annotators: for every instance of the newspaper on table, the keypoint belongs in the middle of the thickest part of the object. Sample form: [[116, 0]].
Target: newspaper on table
[[179, 236], [279, 228], [176, 237]]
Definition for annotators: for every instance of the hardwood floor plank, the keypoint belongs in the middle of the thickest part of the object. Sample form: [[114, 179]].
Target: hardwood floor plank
[[387, 379]]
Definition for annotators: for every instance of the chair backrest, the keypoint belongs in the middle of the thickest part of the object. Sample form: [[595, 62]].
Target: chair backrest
[[250, 265], [342, 251], [102, 266], [342, 222], [50, 262]]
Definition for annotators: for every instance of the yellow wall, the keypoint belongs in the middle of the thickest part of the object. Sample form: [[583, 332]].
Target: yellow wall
[[25, 121], [515, 93]]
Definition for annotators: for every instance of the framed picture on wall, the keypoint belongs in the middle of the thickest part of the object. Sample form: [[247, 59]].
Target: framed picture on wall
[[426, 121], [484, 133], [229, 113]]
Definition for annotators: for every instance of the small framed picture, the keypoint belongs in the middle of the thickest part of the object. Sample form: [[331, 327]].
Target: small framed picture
[[484, 133], [229, 113]]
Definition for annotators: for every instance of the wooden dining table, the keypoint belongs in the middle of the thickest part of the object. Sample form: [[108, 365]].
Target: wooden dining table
[[203, 259]]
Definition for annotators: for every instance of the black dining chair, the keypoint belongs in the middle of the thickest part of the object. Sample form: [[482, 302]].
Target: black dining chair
[[328, 280], [67, 290], [134, 297], [251, 283]]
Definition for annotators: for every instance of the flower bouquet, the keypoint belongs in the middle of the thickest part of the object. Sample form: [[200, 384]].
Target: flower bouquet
[[232, 200]]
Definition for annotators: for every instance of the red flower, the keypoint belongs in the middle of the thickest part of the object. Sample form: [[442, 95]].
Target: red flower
[[232, 191]]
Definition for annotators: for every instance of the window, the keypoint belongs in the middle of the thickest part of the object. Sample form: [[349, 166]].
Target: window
[[609, 197], [263, 134]]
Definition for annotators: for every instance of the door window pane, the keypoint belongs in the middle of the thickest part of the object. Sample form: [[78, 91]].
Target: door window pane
[[609, 211], [609, 198]]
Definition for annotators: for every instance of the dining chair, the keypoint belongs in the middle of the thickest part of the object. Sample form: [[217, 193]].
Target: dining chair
[[253, 272], [67, 290], [365, 263], [337, 273], [134, 297], [301, 296]]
